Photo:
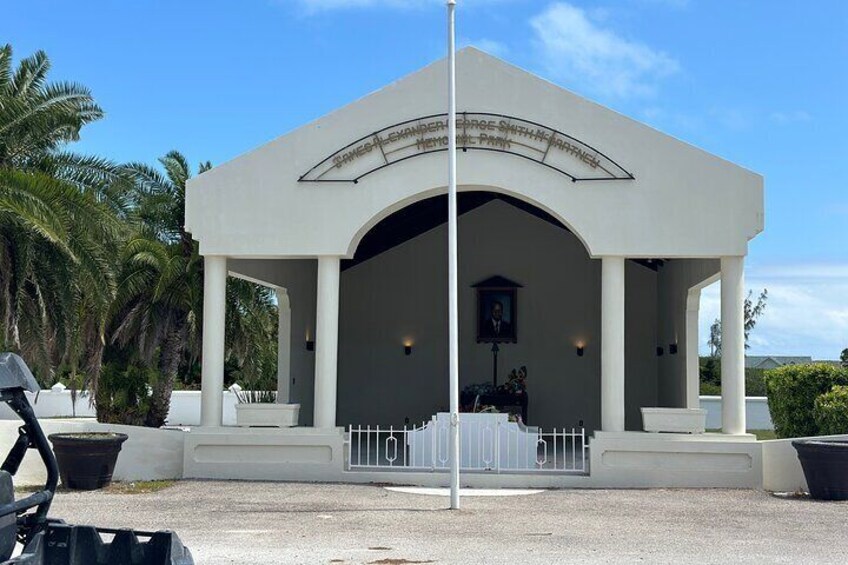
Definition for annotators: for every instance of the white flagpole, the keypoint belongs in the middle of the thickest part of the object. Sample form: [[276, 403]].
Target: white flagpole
[[453, 308]]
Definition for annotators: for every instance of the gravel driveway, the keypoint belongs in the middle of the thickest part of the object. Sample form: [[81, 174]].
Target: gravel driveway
[[253, 523]]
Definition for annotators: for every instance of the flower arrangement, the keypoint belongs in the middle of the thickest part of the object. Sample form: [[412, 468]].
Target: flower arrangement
[[516, 382]]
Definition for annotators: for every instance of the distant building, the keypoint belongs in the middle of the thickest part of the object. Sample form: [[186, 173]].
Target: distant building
[[774, 361]]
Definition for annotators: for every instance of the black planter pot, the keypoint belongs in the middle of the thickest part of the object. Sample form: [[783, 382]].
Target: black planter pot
[[825, 464], [86, 460]]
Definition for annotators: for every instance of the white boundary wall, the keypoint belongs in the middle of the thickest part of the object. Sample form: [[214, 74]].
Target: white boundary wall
[[757, 413], [185, 408], [149, 454]]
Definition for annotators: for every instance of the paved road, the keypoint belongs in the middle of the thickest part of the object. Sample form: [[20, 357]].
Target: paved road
[[257, 523]]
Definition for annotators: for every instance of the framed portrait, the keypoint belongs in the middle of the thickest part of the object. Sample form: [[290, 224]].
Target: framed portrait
[[497, 315]]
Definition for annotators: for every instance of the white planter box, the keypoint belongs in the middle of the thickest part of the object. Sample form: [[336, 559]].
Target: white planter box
[[679, 420], [267, 415]]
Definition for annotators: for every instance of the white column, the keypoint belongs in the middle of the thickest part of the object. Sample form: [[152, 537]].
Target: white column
[[283, 347], [693, 369], [212, 363], [612, 344], [732, 345], [326, 342]]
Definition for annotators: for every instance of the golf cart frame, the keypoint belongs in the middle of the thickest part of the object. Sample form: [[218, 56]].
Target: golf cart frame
[[49, 541]]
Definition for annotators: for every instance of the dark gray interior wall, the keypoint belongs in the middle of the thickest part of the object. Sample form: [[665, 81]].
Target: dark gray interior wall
[[674, 281], [299, 277], [640, 342], [402, 295]]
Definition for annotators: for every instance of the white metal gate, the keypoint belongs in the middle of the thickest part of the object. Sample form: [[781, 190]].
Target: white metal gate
[[491, 446]]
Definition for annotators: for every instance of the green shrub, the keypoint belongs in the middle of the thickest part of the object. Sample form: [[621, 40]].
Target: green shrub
[[709, 389], [792, 392], [831, 411], [710, 368], [755, 382], [122, 394]]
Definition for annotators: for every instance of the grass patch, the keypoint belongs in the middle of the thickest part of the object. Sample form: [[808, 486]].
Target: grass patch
[[762, 435], [135, 487], [138, 487], [28, 489]]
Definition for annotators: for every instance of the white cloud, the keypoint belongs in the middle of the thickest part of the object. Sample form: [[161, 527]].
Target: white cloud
[[733, 119], [806, 312], [577, 49], [678, 4], [793, 117]]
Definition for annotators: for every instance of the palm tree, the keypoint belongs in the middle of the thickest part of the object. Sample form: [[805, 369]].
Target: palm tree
[[160, 290], [159, 303], [251, 331], [58, 222]]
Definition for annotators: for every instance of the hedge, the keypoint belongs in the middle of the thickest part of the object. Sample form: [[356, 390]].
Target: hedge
[[792, 391], [755, 382], [831, 411], [710, 368]]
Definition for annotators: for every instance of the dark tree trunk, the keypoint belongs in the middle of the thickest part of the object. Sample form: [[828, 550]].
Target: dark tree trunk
[[169, 363]]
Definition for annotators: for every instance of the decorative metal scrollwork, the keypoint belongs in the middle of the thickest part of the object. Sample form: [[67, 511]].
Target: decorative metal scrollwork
[[476, 131]]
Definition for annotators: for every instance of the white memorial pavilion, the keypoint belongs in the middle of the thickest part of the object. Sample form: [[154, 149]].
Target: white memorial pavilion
[[599, 231]]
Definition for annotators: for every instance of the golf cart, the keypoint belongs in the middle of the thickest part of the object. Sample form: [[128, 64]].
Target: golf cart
[[49, 541]]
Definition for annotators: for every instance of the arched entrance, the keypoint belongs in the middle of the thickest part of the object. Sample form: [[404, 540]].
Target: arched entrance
[[393, 313]]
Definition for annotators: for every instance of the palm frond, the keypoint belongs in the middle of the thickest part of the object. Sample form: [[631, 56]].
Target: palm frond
[[31, 74]]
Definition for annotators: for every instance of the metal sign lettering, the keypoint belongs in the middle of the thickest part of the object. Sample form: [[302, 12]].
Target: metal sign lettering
[[475, 131]]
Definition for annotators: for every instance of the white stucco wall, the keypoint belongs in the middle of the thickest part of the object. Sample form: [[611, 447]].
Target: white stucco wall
[[148, 454], [782, 471], [682, 203]]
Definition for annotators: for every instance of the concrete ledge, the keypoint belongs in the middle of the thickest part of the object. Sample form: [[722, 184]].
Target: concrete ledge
[[293, 454], [675, 437], [617, 460], [636, 459]]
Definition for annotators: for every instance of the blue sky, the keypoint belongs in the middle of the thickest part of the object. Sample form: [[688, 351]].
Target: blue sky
[[761, 83]]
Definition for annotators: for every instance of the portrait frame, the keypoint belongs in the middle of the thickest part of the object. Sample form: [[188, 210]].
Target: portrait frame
[[507, 297]]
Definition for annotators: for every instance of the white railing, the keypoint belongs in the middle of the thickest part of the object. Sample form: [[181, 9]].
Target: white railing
[[490, 445]]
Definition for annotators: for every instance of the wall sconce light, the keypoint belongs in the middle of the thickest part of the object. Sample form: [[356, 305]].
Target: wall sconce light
[[407, 349], [660, 351], [581, 349], [672, 348], [310, 345]]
